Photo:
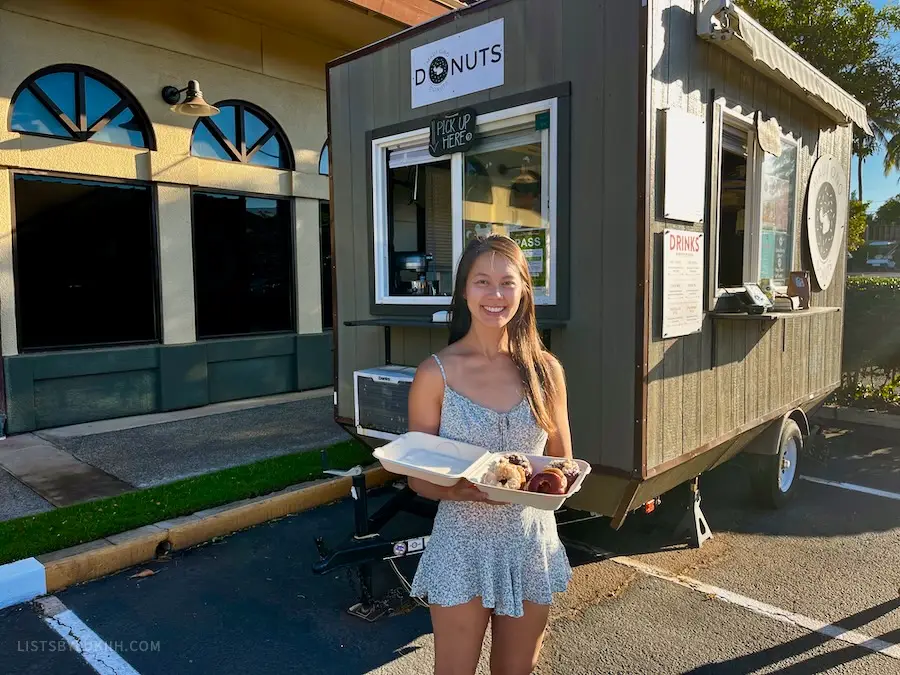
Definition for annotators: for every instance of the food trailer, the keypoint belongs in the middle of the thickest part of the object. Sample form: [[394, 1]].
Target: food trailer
[[678, 179]]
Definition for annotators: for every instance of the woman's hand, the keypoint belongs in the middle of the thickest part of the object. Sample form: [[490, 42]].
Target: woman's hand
[[465, 491], [461, 491]]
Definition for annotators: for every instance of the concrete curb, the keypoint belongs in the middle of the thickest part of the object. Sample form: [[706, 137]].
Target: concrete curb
[[856, 416], [55, 571]]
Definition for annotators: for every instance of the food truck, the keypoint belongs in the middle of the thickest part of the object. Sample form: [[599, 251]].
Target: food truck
[[678, 180]]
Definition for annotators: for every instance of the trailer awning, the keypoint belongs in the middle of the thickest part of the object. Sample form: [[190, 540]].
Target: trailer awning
[[735, 31]]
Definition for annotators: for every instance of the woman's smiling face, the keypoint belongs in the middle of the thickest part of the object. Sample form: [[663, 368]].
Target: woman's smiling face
[[493, 290]]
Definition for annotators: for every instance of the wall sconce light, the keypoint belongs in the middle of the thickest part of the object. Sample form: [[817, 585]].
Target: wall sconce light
[[193, 104]]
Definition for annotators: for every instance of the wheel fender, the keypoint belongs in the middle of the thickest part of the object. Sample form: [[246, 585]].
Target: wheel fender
[[768, 442]]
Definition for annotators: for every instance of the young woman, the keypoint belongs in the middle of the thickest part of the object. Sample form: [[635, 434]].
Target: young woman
[[494, 386]]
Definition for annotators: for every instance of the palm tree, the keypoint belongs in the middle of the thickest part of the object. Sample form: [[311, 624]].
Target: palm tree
[[885, 126], [892, 155]]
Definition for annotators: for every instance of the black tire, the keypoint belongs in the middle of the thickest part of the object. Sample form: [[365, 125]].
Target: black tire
[[771, 491]]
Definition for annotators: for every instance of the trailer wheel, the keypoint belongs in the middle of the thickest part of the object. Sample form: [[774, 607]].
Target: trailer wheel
[[776, 475]]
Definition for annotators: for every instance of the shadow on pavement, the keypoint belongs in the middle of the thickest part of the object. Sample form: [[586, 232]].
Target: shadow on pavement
[[820, 663], [251, 603]]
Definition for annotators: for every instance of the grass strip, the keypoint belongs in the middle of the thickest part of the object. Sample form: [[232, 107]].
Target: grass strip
[[89, 521]]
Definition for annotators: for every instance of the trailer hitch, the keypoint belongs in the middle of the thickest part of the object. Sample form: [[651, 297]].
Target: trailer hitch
[[367, 547]]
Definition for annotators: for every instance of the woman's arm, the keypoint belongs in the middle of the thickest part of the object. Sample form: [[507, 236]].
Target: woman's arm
[[424, 410], [559, 443]]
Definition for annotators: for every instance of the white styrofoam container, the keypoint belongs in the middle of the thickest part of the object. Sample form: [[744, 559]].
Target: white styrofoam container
[[431, 458], [444, 462]]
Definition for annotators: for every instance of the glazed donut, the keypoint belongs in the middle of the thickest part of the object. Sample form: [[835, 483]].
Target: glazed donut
[[549, 481]]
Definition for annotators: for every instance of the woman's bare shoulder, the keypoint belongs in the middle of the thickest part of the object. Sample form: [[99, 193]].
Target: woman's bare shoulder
[[428, 370]]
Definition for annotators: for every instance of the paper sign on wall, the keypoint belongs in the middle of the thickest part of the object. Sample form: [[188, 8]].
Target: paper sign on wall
[[461, 64], [685, 151], [682, 283]]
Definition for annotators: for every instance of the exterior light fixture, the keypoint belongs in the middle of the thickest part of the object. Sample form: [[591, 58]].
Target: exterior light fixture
[[193, 105]]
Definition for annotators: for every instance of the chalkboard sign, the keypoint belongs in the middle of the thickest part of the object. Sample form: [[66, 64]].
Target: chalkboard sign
[[452, 132]]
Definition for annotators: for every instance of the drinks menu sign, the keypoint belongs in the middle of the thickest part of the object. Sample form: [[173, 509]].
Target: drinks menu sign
[[682, 308]]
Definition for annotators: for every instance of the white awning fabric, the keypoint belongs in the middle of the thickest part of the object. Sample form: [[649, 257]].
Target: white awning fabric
[[735, 31]]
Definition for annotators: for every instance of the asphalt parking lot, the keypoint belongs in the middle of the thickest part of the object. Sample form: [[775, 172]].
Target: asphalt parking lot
[[810, 589]]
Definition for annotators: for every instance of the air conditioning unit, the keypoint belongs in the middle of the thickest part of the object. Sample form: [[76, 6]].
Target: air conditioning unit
[[380, 400]]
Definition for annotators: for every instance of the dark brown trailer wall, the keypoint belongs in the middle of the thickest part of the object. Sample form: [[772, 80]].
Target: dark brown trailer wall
[[594, 47], [704, 387]]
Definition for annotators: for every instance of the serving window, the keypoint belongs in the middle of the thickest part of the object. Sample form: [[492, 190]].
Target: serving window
[[756, 204], [427, 208]]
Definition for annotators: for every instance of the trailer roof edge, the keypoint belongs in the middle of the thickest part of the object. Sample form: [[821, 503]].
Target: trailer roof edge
[[412, 31]]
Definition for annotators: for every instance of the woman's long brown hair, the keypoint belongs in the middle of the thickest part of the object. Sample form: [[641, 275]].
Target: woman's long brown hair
[[525, 346]]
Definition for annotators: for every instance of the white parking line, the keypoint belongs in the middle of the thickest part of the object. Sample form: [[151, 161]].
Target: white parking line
[[761, 608], [855, 488], [96, 652]]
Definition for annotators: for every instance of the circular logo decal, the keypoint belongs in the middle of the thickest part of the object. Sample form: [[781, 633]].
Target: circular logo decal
[[438, 69], [400, 548], [826, 217]]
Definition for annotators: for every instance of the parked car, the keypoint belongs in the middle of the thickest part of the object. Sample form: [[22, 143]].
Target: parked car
[[881, 255]]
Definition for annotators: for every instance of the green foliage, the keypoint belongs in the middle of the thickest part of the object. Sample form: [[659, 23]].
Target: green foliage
[[871, 351], [856, 225], [850, 42], [889, 212]]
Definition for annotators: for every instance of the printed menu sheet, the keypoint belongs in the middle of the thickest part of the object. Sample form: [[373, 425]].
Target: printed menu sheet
[[682, 283]]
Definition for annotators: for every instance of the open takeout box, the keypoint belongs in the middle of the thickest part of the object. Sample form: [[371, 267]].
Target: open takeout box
[[444, 462]]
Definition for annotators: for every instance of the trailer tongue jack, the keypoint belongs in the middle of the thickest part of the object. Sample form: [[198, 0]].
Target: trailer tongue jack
[[694, 524]]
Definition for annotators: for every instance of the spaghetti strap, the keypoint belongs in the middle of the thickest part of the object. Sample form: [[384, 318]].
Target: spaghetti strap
[[441, 366]]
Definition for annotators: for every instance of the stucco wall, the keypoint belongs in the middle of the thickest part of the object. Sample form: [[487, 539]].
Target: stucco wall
[[146, 46]]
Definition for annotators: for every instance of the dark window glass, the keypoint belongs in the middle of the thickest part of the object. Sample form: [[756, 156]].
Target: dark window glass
[[72, 104], [85, 264], [243, 265], [420, 229], [31, 116], [325, 255], [210, 132]]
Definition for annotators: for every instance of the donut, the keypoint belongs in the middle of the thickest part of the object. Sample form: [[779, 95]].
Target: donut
[[521, 460], [511, 476], [550, 481], [569, 468]]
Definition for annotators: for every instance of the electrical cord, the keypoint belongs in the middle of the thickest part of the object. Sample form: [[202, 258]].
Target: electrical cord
[[406, 585]]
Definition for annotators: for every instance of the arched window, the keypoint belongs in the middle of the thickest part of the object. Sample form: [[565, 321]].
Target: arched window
[[242, 132], [80, 103], [323, 160]]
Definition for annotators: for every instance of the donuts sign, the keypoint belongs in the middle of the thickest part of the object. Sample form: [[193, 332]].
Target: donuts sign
[[458, 65]]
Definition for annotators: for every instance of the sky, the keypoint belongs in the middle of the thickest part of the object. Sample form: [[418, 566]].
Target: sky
[[876, 187]]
